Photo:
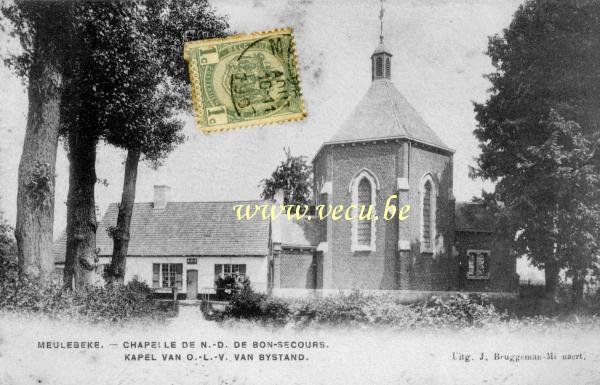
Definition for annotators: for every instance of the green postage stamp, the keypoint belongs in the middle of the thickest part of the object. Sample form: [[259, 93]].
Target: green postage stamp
[[245, 80]]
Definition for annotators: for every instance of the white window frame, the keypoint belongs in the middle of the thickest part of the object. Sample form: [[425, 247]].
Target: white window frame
[[160, 275], [479, 277], [224, 274], [170, 267], [432, 213], [353, 189]]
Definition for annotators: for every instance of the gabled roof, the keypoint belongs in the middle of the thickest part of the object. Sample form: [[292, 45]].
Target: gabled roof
[[473, 217], [184, 228], [384, 113]]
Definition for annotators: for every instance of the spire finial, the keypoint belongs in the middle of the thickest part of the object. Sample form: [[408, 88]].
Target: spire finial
[[381, 22]]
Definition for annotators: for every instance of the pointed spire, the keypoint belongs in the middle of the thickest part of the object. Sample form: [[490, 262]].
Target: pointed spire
[[381, 23], [381, 59]]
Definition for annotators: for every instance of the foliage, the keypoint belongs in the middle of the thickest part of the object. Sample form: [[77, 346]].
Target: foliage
[[294, 176], [39, 183], [110, 304], [128, 87], [459, 310], [126, 76], [539, 134], [8, 245], [359, 309], [248, 304], [124, 80], [34, 23]]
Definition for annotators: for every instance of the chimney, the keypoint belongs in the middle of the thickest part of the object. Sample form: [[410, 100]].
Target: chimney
[[276, 222], [279, 196], [161, 196]]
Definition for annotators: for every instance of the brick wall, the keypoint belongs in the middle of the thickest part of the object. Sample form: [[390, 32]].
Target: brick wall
[[439, 270], [502, 266], [296, 269], [373, 269], [386, 268]]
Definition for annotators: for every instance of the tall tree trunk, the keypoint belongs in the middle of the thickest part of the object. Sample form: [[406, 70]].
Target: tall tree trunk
[[121, 233], [35, 197], [81, 258], [551, 270]]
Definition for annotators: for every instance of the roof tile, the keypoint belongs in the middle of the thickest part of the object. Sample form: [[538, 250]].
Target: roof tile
[[183, 228], [385, 113]]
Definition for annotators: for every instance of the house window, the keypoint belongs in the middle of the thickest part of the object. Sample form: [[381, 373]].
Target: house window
[[363, 188], [228, 270], [165, 275], [428, 213], [379, 67], [364, 200], [479, 261]]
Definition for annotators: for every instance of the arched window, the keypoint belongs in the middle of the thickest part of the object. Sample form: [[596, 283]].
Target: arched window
[[379, 67], [428, 213], [363, 187], [388, 69], [363, 235]]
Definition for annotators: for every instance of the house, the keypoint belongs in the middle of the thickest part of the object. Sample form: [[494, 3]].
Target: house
[[384, 149], [185, 244]]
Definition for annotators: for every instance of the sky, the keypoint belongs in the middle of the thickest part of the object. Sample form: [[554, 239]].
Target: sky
[[438, 65]]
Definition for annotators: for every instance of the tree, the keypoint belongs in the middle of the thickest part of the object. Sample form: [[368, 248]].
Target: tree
[[82, 107], [539, 135], [44, 30], [294, 176], [152, 130], [125, 88]]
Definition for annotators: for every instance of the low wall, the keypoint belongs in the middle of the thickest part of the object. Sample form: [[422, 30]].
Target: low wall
[[404, 296]]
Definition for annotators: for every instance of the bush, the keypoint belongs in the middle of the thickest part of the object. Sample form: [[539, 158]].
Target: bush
[[248, 304], [112, 303], [334, 310], [276, 310], [358, 309], [458, 311], [245, 304]]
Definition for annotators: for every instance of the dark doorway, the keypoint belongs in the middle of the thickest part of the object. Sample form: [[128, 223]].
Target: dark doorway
[[192, 284]]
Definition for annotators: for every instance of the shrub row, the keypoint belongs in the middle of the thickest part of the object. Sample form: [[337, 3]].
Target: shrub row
[[358, 309], [111, 303]]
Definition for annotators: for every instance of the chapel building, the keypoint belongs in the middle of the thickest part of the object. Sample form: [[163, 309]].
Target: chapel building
[[385, 148]]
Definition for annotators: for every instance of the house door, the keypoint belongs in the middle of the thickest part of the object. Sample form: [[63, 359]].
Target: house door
[[192, 284]]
